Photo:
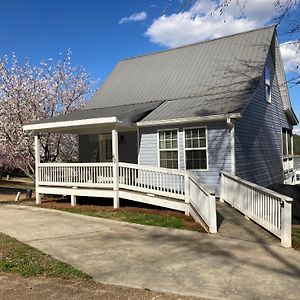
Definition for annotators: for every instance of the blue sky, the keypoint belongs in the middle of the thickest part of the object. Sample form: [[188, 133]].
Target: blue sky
[[100, 33]]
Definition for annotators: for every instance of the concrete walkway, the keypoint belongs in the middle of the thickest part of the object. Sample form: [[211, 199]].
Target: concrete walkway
[[173, 261]]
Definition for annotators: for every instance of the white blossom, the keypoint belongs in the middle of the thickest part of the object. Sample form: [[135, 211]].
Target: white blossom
[[30, 93]]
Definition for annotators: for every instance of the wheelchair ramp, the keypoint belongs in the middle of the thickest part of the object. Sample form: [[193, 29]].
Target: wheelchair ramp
[[233, 224]]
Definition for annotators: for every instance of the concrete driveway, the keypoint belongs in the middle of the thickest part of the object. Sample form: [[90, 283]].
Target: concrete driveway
[[173, 261]]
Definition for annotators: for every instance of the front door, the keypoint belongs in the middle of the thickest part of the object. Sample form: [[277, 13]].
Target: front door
[[105, 148]]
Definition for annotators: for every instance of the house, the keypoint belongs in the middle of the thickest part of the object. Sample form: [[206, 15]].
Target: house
[[219, 105]]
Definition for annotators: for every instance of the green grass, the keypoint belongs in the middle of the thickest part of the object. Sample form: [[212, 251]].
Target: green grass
[[296, 144], [296, 237], [134, 217], [16, 186], [27, 261]]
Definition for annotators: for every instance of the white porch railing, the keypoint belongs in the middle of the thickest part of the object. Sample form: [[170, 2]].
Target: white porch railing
[[159, 181], [288, 163], [176, 184], [76, 174], [269, 209], [202, 201]]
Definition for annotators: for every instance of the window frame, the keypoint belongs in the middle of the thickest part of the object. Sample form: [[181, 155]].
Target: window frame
[[289, 148], [201, 148], [159, 150], [268, 84]]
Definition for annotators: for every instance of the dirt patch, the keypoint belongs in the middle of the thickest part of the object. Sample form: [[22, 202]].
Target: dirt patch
[[111, 213], [9, 195], [13, 287]]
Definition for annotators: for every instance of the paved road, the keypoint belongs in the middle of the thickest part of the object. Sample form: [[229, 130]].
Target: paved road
[[176, 261]]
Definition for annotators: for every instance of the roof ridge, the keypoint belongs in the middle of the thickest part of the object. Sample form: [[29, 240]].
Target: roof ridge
[[197, 43]]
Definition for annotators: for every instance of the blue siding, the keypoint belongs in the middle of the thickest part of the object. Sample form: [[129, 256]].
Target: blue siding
[[148, 148], [258, 135], [219, 156]]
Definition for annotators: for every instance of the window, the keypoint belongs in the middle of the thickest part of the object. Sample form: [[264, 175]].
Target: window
[[268, 84], [108, 150], [168, 149], [287, 142], [105, 148], [195, 148], [284, 147]]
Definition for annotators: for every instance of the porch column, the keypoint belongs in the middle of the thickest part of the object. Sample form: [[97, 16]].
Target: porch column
[[37, 145], [230, 123], [115, 159]]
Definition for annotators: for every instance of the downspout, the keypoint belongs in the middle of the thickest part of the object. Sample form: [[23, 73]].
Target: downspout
[[230, 124]]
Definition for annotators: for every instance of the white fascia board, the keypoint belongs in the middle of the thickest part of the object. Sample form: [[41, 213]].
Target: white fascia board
[[189, 120], [292, 116], [70, 124], [283, 88]]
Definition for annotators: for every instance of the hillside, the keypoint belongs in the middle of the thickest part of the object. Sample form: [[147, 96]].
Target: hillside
[[296, 144]]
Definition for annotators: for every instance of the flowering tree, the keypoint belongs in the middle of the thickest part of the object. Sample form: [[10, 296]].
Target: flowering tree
[[29, 93]]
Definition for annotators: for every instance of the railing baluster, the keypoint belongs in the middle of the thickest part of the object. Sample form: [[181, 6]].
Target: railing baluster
[[258, 203]]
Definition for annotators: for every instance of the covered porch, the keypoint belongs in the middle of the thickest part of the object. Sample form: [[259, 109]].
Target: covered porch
[[105, 176]]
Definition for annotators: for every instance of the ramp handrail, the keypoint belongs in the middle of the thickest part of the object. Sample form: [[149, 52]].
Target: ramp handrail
[[269, 209]]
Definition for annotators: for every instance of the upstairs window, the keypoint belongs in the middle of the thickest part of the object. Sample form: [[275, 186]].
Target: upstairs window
[[268, 84], [168, 148], [195, 148], [287, 145]]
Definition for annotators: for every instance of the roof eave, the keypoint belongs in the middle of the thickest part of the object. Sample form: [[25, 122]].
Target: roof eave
[[203, 119], [292, 116], [71, 126]]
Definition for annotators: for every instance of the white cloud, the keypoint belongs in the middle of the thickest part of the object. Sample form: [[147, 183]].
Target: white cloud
[[296, 130], [198, 24], [136, 17], [290, 53], [184, 28]]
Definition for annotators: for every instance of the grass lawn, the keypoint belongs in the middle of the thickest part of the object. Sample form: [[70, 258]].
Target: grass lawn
[[16, 185], [144, 216], [296, 238], [22, 259]]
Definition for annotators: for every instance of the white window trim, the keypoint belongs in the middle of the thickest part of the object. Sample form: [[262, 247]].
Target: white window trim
[[268, 83], [202, 148], [283, 132], [158, 149]]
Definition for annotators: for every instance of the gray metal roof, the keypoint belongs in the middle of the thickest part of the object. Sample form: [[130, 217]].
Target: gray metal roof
[[198, 107], [214, 70], [202, 79], [130, 113]]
